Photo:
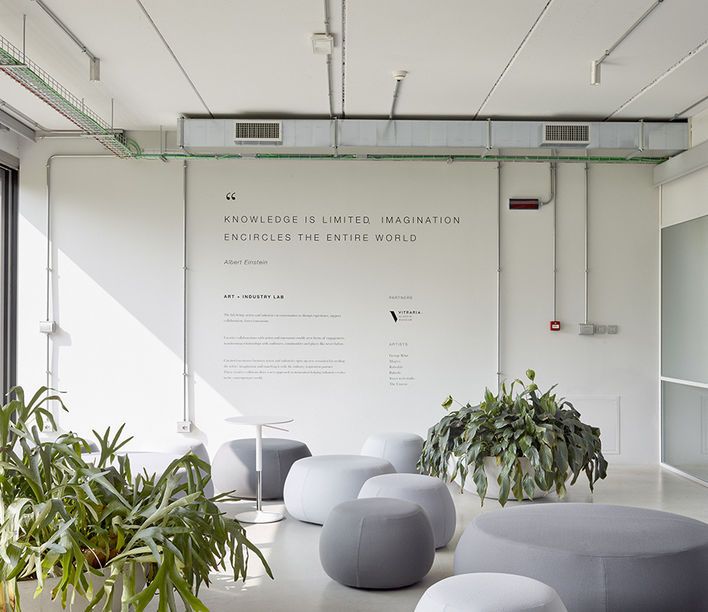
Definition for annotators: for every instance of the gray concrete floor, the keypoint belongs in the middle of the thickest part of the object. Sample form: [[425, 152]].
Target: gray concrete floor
[[300, 584]]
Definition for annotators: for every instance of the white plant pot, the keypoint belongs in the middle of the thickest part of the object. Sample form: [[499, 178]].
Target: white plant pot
[[44, 602], [492, 470]]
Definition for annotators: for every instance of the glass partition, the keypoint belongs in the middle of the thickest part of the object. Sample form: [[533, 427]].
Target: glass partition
[[684, 346]]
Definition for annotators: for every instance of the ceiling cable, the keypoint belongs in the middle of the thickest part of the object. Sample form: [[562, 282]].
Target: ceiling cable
[[513, 58], [174, 57], [691, 54]]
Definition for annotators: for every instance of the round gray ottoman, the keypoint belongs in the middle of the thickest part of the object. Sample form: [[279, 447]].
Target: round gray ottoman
[[234, 466], [429, 493], [400, 448], [485, 592], [597, 557], [315, 485], [377, 543]]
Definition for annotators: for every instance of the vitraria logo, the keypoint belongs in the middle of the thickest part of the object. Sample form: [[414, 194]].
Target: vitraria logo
[[400, 316]]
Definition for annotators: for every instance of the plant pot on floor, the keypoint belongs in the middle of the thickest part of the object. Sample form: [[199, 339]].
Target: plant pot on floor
[[45, 603], [492, 469]]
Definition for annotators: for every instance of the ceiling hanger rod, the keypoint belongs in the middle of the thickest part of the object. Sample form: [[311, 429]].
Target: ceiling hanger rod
[[595, 66], [95, 63]]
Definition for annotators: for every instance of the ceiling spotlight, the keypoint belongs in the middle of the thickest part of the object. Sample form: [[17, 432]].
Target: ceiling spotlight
[[322, 44], [399, 75], [595, 69]]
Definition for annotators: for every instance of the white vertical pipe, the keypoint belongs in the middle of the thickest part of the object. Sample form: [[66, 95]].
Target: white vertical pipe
[[661, 328], [499, 209], [555, 240], [48, 273], [587, 218], [185, 355]]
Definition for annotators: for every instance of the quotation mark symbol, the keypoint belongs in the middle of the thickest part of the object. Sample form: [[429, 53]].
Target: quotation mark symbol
[[231, 195]]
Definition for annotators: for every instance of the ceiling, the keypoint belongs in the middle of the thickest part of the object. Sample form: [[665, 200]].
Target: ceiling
[[465, 58]]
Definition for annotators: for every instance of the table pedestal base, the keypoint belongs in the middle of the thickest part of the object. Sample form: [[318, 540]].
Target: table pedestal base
[[259, 516]]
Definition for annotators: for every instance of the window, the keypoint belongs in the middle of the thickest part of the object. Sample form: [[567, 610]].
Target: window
[[8, 275]]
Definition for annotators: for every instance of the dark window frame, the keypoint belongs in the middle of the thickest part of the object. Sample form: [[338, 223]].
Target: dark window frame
[[9, 183]]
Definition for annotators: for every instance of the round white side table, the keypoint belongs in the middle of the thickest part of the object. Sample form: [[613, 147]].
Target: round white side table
[[259, 422]]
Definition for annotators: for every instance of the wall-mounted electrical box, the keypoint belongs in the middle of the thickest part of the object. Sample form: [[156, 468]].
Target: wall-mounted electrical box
[[47, 327], [184, 426], [586, 329]]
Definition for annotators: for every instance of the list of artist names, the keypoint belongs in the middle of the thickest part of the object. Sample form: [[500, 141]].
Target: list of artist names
[[400, 372]]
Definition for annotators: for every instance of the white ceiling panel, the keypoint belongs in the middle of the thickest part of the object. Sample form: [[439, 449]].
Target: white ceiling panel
[[249, 57], [253, 58], [552, 75], [454, 52]]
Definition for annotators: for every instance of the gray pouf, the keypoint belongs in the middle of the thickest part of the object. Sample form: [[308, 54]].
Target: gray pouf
[[402, 449], [429, 493], [377, 543], [315, 485], [234, 466], [597, 557]]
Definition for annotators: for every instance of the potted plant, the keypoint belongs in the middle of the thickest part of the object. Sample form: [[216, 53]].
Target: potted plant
[[88, 527], [525, 441]]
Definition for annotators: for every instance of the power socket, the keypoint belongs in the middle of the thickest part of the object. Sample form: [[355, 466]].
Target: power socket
[[601, 329], [612, 329], [184, 426]]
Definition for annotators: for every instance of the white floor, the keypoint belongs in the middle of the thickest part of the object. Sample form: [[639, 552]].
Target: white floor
[[300, 583]]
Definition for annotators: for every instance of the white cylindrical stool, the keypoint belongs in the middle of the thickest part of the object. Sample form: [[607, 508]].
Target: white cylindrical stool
[[487, 592], [400, 448]]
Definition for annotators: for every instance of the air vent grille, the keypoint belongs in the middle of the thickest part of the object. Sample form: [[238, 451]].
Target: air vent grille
[[258, 132], [566, 133]]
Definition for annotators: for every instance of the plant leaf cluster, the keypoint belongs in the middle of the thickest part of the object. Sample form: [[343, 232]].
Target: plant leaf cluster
[[518, 422], [72, 516]]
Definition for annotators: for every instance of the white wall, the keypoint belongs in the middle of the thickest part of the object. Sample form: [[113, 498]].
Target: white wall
[[9, 142], [117, 284], [685, 198]]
